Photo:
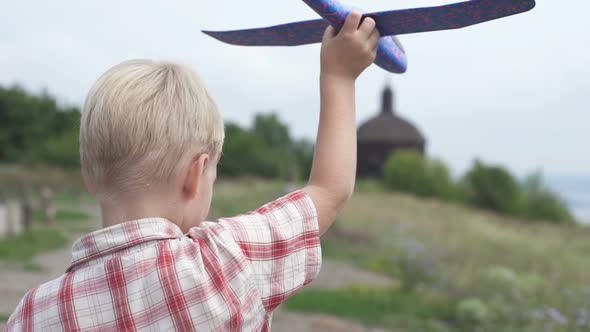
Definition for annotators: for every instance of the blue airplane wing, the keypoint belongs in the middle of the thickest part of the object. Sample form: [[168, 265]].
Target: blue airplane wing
[[390, 23], [291, 34], [447, 17]]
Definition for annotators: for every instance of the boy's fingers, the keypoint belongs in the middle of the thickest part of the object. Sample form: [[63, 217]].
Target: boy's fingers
[[352, 22], [374, 39], [329, 33], [367, 27]]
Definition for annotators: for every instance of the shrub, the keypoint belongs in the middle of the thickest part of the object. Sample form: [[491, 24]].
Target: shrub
[[408, 171], [494, 188], [500, 277], [542, 203], [472, 310], [529, 283], [440, 177]]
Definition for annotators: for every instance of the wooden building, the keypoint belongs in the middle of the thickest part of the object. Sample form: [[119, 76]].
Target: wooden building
[[384, 134]]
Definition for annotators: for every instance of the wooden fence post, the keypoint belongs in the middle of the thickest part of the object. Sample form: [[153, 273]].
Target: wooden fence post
[[47, 205], [3, 217], [26, 209]]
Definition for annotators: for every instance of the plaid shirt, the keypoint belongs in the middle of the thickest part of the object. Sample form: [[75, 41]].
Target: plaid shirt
[[147, 275]]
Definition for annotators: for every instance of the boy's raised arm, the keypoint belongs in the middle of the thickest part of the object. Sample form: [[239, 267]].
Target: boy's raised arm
[[344, 57]]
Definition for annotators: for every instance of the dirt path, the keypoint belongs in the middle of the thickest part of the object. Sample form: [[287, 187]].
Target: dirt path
[[334, 274], [15, 281]]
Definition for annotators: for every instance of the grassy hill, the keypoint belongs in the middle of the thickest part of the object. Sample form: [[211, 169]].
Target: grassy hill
[[458, 269]]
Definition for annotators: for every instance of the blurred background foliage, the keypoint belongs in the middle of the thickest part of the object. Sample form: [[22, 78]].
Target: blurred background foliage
[[452, 267], [36, 130], [462, 251], [491, 187]]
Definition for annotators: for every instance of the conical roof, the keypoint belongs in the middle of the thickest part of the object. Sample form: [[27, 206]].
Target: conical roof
[[387, 127]]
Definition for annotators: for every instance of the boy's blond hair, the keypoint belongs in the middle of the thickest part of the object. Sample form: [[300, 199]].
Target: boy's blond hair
[[141, 121]]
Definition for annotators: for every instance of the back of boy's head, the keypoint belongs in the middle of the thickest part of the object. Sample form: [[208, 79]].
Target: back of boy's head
[[141, 122]]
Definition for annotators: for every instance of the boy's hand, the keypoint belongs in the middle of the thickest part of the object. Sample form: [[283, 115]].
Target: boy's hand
[[348, 53]]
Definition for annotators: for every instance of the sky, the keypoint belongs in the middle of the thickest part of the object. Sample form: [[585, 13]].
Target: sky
[[513, 91]]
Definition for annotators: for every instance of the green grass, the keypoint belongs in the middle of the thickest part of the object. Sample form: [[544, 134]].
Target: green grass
[[69, 222], [31, 266], [73, 196], [230, 199], [442, 255], [4, 317], [63, 216], [70, 215], [516, 268], [389, 307], [23, 247]]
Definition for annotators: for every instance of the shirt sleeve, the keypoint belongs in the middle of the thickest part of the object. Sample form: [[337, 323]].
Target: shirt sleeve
[[281, 241]]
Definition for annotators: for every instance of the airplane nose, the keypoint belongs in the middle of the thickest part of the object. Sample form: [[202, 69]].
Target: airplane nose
[[391, 55], [333, 11]]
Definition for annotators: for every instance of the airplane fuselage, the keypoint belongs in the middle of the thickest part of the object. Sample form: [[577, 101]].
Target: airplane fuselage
[[390, 55]]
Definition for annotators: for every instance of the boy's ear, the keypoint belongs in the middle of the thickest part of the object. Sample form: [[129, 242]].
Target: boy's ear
[[194, 175], [88, 185]]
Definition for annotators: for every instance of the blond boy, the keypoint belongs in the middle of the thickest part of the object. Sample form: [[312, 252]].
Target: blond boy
[[151, 137]]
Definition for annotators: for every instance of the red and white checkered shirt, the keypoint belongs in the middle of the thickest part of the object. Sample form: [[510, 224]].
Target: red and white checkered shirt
[[147, 275]]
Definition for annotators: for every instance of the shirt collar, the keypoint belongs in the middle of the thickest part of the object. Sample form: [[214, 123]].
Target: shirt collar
[[121, 236]]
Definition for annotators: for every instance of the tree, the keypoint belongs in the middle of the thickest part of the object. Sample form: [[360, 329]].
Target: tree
[[244, 153], [33, 127], [265, 150], [269, 128], [494, 188], [303, 153]]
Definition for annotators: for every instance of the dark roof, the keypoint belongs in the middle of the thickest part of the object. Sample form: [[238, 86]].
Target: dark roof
[[387, 127]]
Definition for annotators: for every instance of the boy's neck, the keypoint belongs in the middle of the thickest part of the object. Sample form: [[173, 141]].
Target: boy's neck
[[116, 211]]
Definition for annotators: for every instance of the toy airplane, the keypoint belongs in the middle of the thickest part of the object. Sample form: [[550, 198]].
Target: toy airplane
[[390, 53]]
